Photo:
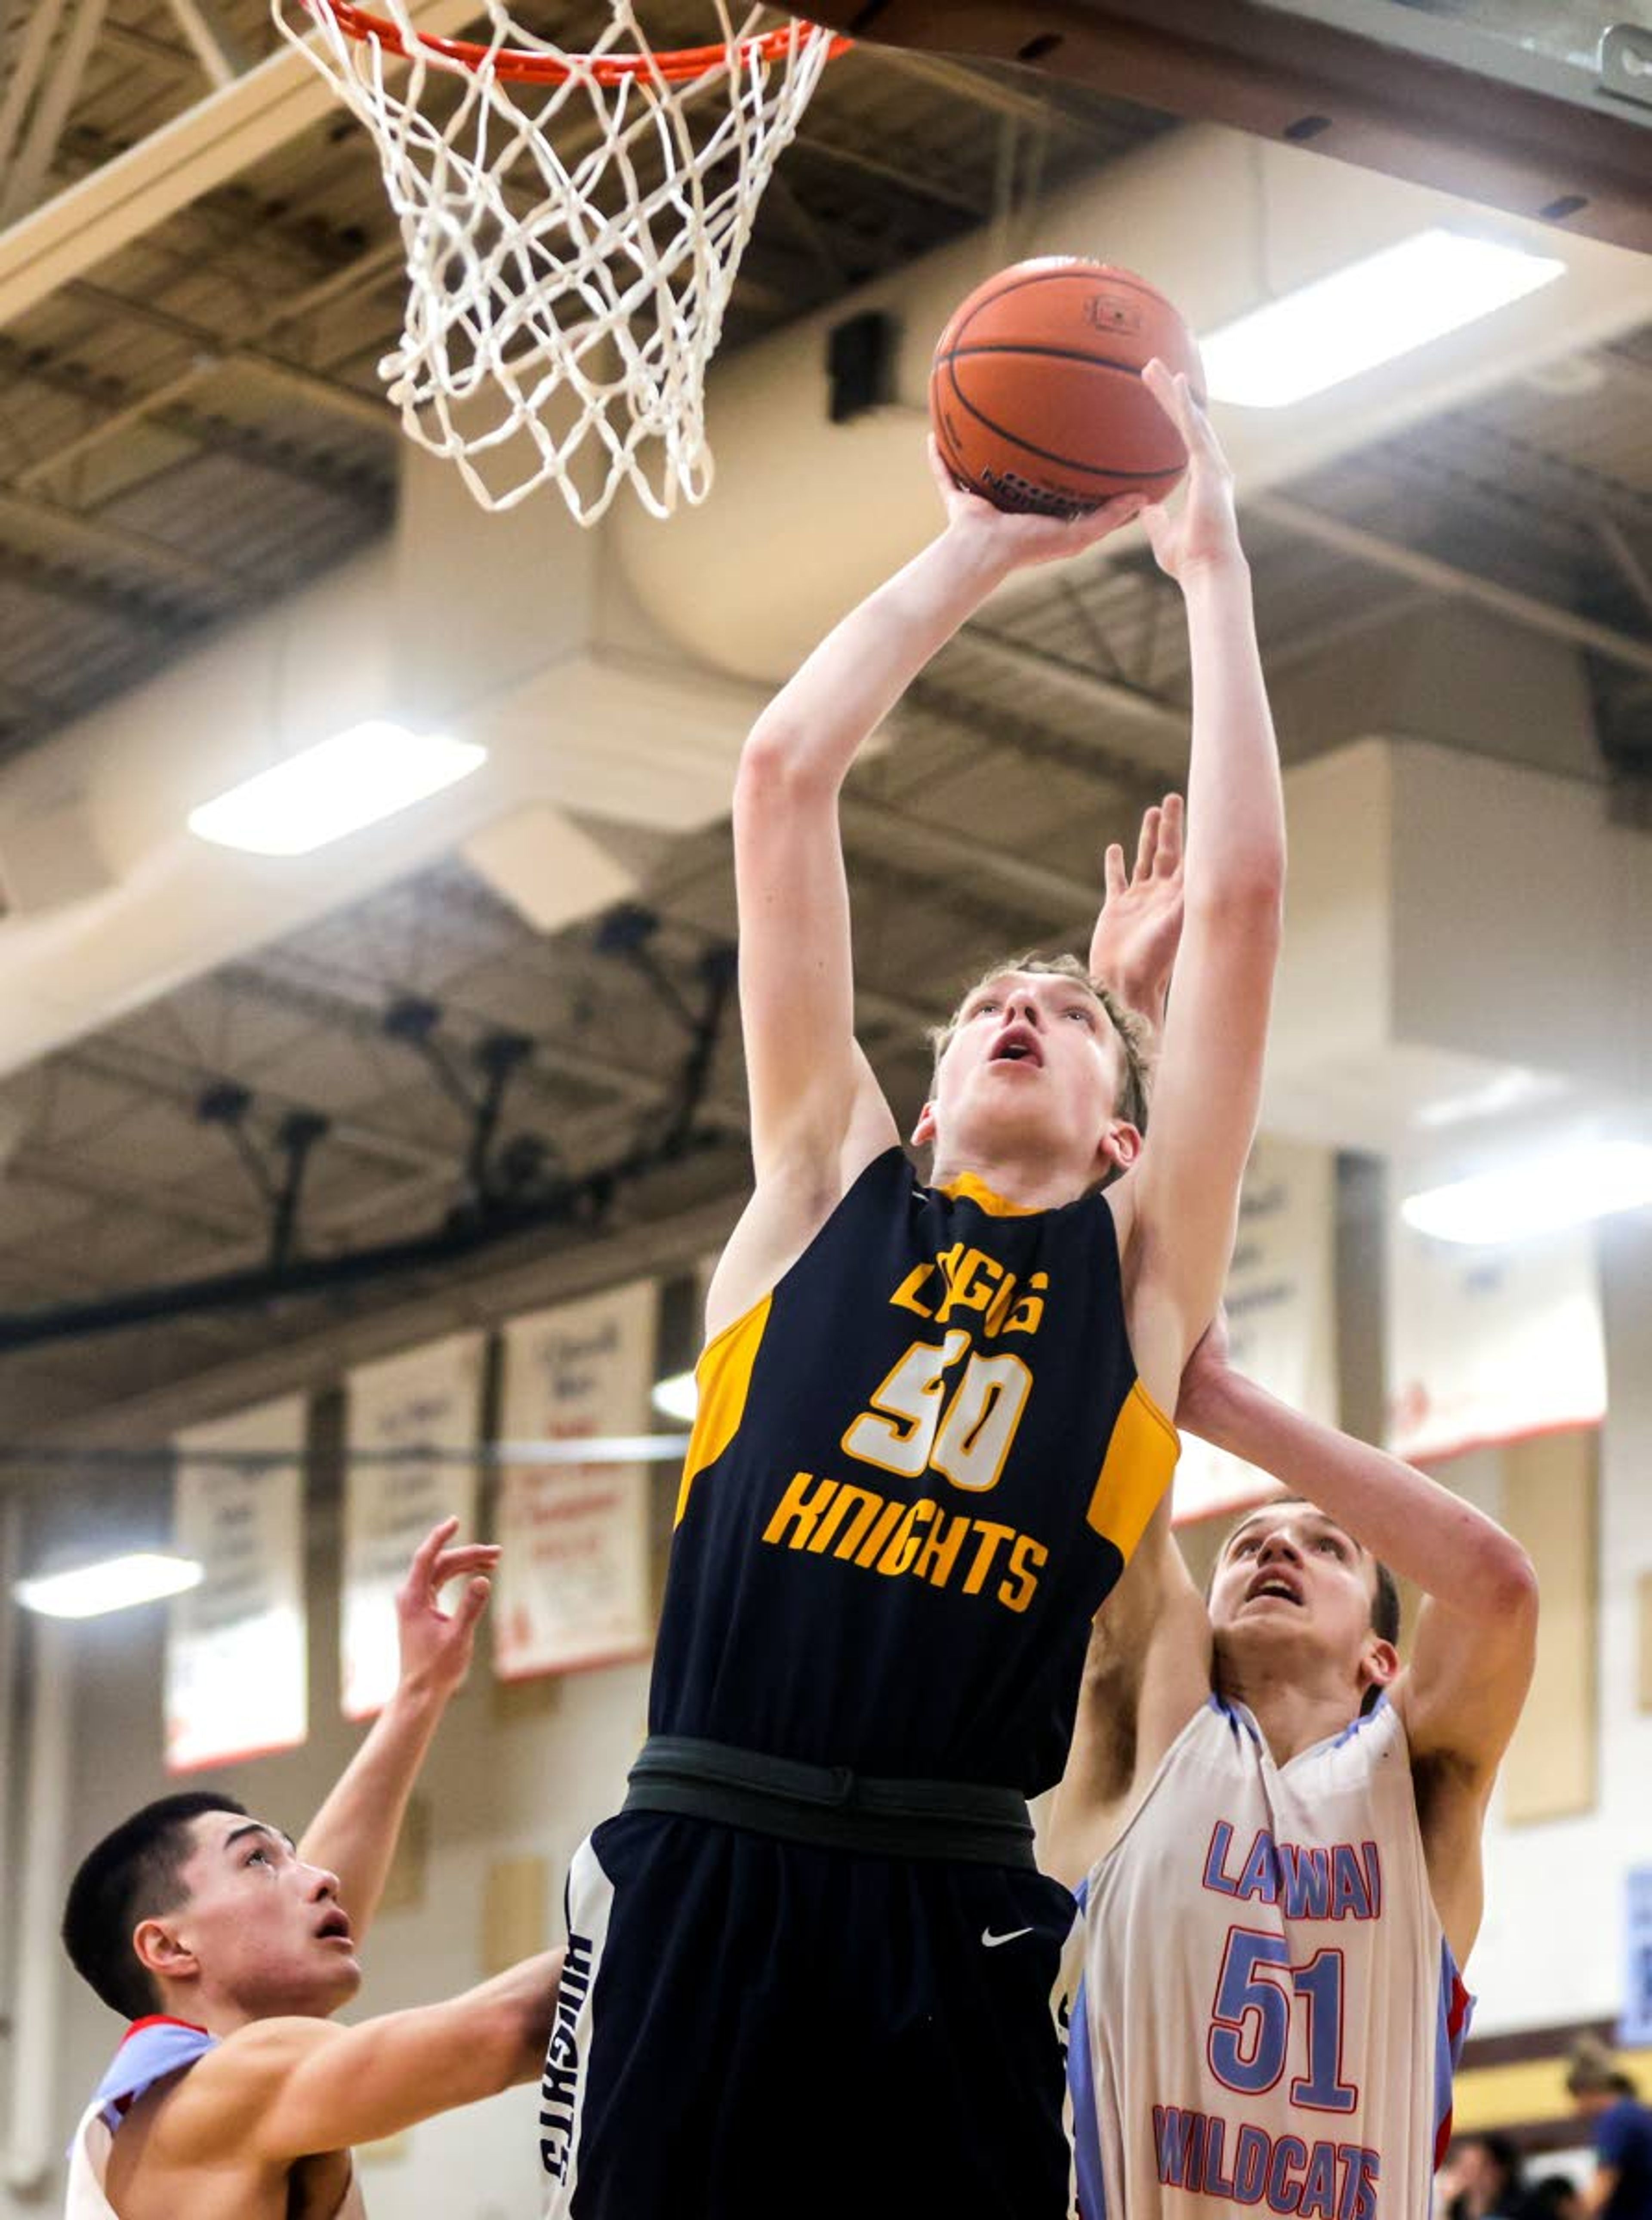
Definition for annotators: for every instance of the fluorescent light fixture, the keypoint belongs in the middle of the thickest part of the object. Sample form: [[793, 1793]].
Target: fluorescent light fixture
[[1539, 1196], [1366, 314], [88, 1591], [1504, 1091], [678, 1397], [334, 788]]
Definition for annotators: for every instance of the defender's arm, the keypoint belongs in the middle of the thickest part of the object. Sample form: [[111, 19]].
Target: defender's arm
[[354, 1833], [1133, 945], [1178, 1219], [285, 2089], [1476, 1632], [1146, 1673]]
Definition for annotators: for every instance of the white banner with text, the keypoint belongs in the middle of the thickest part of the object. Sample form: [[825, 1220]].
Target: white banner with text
[[237, 1665], [1487, 1344], [573, 1587], [1280, 1300], [402, 1412]]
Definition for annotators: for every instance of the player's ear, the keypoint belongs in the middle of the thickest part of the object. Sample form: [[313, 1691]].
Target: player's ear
[[162, 1951], [1380, 1666], [923, 1133], [1121, 1145]]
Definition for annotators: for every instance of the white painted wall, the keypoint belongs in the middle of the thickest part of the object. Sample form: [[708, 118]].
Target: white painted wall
[[1551, 1946]]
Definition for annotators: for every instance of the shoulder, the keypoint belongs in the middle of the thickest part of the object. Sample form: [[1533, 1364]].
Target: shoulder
[[790, 1209], [212, 2106]]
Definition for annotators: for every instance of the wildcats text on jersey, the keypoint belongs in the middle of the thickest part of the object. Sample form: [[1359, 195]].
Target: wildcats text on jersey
[[1278, 2173]]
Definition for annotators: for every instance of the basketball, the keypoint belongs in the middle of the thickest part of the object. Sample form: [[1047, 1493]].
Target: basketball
[[1036, 393]]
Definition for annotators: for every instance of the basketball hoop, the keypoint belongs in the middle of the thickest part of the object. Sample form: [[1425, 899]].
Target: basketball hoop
[[564, 301]]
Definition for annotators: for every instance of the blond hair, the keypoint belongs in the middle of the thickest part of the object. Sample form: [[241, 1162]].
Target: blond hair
[[1135, 1035]]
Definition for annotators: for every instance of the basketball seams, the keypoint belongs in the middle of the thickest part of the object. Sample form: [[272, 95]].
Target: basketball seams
[[1059, 355], [1088, 273], [1046, 454], [1054, 354]]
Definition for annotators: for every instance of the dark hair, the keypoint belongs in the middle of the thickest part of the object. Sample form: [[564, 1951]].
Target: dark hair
[[132, 1874], [1505, 2155], [1384, 1603], [1555, 2195]]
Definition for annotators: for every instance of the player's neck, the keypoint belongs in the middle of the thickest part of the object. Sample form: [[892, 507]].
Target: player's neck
[[1293, 1711], [218, 2016], [1026, 1179]]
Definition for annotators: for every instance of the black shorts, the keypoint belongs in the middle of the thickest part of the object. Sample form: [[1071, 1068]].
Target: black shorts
[[752, 2029]]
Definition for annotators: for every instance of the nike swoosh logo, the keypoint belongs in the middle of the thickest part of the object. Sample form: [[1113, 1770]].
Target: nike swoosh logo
[[990, 1941]]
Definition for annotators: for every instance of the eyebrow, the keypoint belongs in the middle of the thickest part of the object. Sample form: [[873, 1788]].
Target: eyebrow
[[1324, 1519], [257, 1827]]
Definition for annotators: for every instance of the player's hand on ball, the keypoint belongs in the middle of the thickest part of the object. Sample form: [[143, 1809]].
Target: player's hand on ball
[[1202, 531], [1020, 540]]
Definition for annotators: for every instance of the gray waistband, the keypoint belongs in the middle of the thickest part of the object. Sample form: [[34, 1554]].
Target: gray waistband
[[830, 1806]]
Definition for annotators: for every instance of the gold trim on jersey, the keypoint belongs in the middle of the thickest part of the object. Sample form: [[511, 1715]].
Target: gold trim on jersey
[[1138, 1468], [723, 1377], [967, 1187]]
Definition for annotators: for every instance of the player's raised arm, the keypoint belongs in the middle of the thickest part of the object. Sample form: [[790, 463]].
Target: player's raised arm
[[287, 2089], [1475, 1643], [1146, 1672], [797, 984], [1179, 1218], [353, 1835]]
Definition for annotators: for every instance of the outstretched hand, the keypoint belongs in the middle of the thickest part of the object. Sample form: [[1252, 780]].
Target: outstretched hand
[[436, 1644], [1203, 530], [1140, 928], [1020, 540]]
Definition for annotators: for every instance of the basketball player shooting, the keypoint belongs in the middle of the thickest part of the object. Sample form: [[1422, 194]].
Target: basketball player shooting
[[228, 1949], [825, 1974], [1276, 1832]]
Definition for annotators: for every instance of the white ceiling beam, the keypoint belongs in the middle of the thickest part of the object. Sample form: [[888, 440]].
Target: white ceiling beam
[[27, 68], [216, 140], [57, 97], [1524, 609], [205, 43], [1615, 539]]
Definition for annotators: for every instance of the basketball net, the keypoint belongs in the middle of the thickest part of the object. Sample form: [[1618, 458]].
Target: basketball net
[[573, 224]]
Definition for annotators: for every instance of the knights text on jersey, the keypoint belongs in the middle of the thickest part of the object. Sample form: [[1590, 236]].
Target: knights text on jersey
[[1269, 2013], [919, 1464]]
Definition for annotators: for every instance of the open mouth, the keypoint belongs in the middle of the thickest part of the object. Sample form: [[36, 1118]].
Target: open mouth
[[334, 1927], [1281, 1590], [1017, 1044]]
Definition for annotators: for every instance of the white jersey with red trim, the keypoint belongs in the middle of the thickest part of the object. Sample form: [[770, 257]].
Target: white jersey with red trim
[[1269, 2013], [152, 2050]]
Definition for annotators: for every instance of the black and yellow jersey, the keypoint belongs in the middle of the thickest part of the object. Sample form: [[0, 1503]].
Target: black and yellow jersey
[[919, 1464]]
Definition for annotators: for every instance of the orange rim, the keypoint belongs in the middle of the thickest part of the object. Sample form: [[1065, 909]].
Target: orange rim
[[679, 66]]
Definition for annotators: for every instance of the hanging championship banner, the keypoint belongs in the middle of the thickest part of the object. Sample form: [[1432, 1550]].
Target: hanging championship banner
[[400, 1411], [1487, 1344], [574, 1575], [236, 1660], [1281, 1303]]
